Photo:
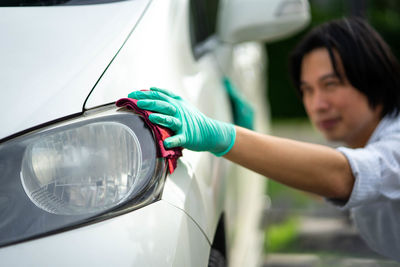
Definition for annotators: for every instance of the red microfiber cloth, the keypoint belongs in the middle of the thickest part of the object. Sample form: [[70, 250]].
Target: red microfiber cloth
[[160, 133]]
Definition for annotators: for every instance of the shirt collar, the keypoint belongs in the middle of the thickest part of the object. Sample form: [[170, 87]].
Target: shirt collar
[[385, 125]]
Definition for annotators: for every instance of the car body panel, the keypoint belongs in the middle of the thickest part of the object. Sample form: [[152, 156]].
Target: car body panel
[[40, 73], [246, 190], [172, 65], [127, 240]]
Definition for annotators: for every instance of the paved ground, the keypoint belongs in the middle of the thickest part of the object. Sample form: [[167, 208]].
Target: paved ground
[[324, 236]]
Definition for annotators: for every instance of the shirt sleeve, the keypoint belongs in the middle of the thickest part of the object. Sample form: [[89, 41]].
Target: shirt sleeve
[[376, 169]]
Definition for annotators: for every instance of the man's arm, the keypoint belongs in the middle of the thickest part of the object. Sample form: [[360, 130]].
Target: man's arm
[[314, 168], [309, 167]]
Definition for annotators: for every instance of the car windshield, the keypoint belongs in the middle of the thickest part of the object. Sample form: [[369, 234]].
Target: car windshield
[[10, 3]]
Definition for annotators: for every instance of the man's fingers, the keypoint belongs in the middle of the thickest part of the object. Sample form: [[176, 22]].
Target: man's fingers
[[167, 121], [166, 92], [159, 106], [174, 141], [149, 95]]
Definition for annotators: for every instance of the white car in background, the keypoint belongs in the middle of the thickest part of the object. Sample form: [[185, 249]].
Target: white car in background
[[80, 183]]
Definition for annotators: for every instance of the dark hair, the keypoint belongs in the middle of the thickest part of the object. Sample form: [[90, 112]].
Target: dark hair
[[368, 62]]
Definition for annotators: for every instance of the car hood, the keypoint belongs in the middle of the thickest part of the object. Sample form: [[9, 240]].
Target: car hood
[[52, 57]]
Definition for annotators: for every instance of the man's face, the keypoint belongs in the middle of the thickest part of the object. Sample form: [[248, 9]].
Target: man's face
[[334, 106]]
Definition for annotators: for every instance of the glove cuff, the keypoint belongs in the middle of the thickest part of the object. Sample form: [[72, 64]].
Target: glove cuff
[[232, 134]]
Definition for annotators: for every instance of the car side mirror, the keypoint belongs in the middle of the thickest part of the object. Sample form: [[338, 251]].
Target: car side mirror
[[261, 20]]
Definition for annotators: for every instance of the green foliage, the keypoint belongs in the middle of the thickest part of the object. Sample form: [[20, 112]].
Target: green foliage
[[284, 100], [384, 16], [281, 236]]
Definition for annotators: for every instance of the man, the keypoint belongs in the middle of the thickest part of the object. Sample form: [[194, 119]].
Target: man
[[349, 82]]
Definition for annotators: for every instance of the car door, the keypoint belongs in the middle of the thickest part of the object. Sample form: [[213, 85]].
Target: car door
[[244, 66]]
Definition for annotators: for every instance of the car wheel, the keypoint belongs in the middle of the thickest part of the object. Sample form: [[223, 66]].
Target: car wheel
[[216, 259]]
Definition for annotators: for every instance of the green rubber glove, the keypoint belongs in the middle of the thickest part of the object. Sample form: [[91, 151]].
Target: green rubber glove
[[193, 130]]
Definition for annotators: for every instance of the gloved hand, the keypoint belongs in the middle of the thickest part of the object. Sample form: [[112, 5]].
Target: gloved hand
[[193, 130]]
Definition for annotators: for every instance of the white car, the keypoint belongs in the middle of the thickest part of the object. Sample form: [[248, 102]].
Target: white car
[[80, 181]]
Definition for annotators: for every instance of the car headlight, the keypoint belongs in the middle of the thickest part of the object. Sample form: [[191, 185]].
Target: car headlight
[[85, 169]]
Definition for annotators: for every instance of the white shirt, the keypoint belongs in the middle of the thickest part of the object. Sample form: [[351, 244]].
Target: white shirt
[[375, 199]]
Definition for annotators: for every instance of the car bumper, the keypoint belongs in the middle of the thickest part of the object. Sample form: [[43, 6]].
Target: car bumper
[[156, 235]]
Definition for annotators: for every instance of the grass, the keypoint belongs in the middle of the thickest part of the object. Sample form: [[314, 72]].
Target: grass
[[280, 236]]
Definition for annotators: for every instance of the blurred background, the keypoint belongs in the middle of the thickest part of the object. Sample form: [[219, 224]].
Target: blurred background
[[302, 229]]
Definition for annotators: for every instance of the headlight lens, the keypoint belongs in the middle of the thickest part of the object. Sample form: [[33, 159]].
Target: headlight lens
[[74, 172], [82, 170]]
